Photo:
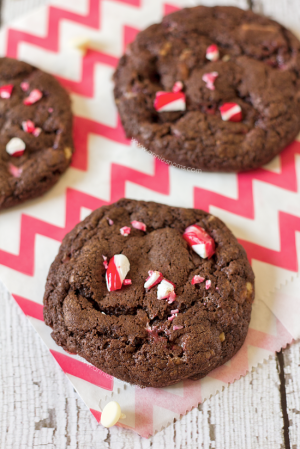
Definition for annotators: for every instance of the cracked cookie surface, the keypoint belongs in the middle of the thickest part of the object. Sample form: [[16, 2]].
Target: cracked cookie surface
[[48, 154], [258, 69], [126, 333]]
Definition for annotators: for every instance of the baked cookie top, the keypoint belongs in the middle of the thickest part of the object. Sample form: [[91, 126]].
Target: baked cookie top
[[35, 131], [213, 88], [129, 292]]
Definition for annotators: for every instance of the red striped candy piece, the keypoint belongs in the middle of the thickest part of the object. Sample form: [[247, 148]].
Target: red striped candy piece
[[231, 112], [116, 272], [34, 96], [28, 126], [24, 86], [5, 91], [212, 53], [125, 231], [37, 131], [154, 278], [15, 171], [15, 147], [209, 79], [197, 279], [127, 282], [138, 225], [165, 289], [200, 241], [178, 86], [169, 101], [207, 284]]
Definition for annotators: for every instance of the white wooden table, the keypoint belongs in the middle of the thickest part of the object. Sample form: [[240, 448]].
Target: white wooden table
[[40, 409]]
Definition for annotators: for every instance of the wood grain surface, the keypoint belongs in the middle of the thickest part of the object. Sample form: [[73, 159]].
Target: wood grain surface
[[40, 409]]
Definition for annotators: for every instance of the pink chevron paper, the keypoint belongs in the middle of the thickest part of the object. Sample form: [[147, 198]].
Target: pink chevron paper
[[262, 207]]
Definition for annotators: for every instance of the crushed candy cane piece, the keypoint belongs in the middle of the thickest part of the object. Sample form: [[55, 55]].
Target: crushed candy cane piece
[[50, 110], [138, 225], [15, 147], [174, 311], [169, 101], [154, 278], [28, 126], [164, 289], [171, 298], [24, 86], [110, 222], [200, 241], [37, 131], [117, 270], [127, 282], [197, 279], [34, 96], [175, 328], [231, 112], [105, 263], [212, 53], [207, 284], [209, 79], [178, 86], [125, 231], [15, 171], [171, 318], [5, 91]]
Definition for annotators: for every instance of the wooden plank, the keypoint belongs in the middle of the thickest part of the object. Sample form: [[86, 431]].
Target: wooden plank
[[292, 380]]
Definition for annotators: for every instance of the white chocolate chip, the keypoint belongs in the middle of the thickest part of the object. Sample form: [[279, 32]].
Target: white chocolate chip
[[111, 414]]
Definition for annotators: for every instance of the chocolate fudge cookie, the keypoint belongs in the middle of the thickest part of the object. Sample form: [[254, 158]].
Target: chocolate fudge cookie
[[149, 293], [35, 132], [216, 89]]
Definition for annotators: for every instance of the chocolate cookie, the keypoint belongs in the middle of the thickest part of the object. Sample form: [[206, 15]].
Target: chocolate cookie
[[216, 89], [149, 293], [35, 132]]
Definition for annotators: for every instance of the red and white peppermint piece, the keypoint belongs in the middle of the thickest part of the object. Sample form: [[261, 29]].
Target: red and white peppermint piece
[[138, 225], [207, 284], [116, 273], [169, 101], [174, 311], [110, 222], [209, 79], [15, 171], [175, 328], [24, 86], [212, 53], [172, 297], [200, 241], [15, 147], [197, 279], [127, 282], [164, 289], [125, 231], [171, 318], [37, 131], [178, 86], [50, 110], [231, 112], [5, 91], [34, 96], [28, 126], [105, 263], [154, 278]]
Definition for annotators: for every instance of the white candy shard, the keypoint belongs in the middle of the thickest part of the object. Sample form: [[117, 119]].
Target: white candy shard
[[164, 289], [15, 147], [154, 278]]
